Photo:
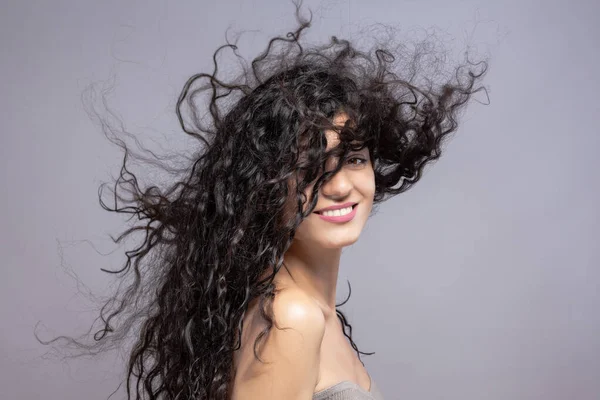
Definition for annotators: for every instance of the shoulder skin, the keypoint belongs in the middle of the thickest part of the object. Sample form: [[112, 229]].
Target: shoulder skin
[[290, 352]]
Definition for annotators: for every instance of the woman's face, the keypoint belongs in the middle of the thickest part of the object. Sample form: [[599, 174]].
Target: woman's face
[[353, 184]]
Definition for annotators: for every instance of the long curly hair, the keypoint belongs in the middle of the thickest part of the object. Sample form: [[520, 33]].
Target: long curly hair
[[211, 238]]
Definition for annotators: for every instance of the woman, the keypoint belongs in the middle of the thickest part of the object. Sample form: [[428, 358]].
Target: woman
[[314, 355], [234, 284]]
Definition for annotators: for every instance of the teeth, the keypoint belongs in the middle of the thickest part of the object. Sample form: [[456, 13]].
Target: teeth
[[337, 213]]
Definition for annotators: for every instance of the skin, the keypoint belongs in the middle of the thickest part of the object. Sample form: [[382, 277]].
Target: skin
[[314, 354]]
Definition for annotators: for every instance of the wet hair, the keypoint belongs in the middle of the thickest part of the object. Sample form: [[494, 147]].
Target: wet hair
[[211, 237]]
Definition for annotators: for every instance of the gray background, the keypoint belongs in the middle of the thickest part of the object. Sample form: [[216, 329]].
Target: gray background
[[482, 282]]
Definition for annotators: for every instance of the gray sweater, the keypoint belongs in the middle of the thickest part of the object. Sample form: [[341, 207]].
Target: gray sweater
[[347, 390]]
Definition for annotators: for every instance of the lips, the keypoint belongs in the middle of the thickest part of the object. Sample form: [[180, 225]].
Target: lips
[[345, 205]]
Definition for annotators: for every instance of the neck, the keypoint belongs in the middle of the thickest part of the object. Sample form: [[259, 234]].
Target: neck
[[314, 271]]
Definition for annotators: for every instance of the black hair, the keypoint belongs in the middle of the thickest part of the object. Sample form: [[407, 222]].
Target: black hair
[[210, 236]]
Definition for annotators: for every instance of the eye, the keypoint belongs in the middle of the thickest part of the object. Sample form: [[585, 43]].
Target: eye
[[352, 160]]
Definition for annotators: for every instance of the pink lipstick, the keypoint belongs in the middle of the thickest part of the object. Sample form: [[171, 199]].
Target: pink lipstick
[[340, 218]]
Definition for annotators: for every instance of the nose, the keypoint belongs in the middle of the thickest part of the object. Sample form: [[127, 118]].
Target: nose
[[338, 187]]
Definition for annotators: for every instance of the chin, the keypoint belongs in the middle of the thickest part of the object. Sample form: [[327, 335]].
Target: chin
[[336, 243]]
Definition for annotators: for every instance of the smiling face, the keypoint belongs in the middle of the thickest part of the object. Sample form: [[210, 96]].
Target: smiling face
[[355, 184]]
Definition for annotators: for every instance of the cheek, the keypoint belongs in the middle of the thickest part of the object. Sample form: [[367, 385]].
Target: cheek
[[291, 204], [306, 230], [308, 194], [368, 184]]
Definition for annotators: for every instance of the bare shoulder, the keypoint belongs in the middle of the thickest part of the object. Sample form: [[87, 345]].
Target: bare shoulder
[[290, 351], [295, 309]]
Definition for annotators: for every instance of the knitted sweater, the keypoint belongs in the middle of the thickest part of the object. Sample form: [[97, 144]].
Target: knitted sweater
[[347, 390]]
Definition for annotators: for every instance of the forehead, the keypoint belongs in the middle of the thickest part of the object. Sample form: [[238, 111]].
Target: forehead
[[331, 135]]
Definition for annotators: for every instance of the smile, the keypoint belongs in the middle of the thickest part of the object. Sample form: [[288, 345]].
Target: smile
[[340, 215]]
